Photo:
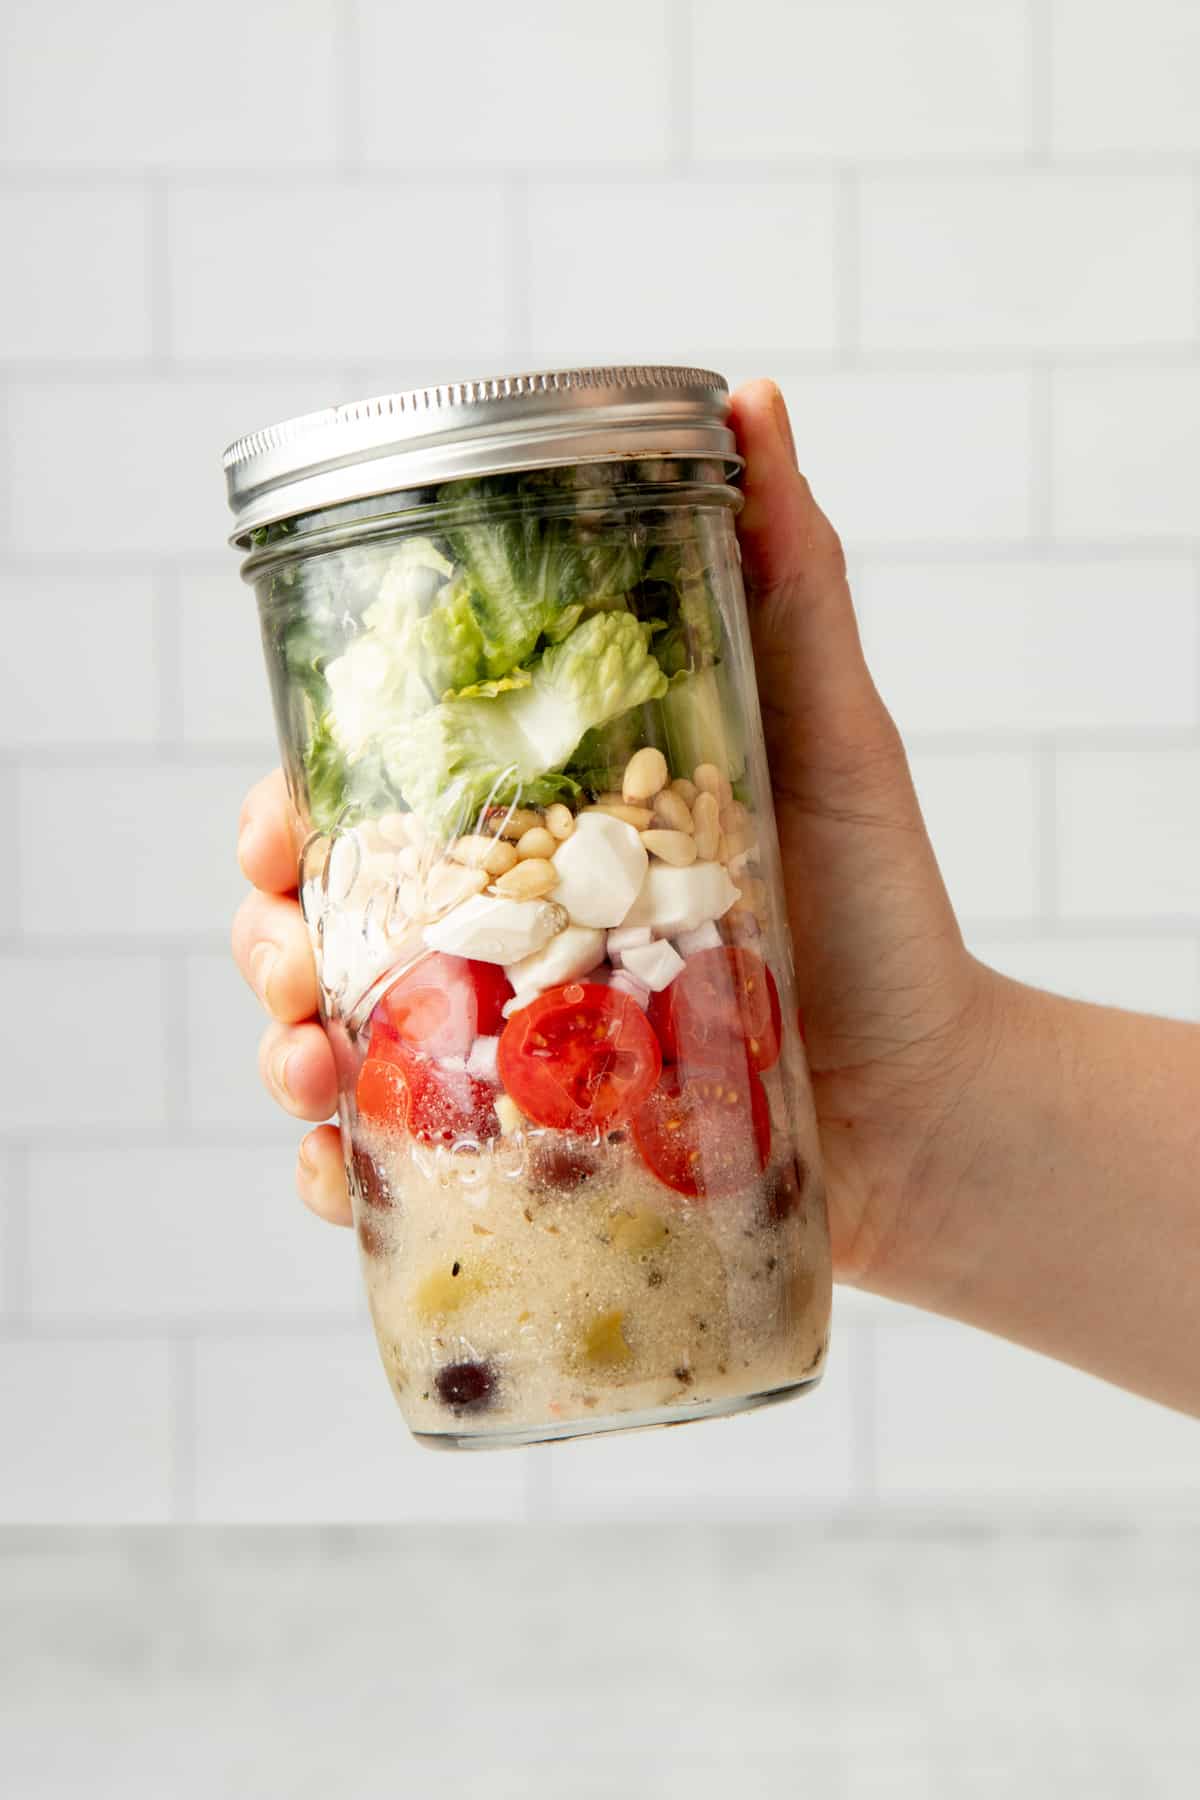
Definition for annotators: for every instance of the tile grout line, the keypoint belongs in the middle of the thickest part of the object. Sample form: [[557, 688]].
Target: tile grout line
[[780, 167], [181, 1387]]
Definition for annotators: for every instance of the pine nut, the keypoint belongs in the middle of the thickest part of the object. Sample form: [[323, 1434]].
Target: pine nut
[[673, 812], [560, 821], [410, 898], [645, 775], [709, 780], [734, 817], [514, 823], [674, 847], [448, 884], [737, 845], [707, 816], [637, 816], [393, 828], [478, 852], [529, 880], [687, 790], [536, 842]]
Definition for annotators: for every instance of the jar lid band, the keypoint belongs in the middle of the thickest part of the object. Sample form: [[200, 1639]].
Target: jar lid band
[[503, 424]]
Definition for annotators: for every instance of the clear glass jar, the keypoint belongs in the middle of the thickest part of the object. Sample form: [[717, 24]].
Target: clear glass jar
[[518, 717]]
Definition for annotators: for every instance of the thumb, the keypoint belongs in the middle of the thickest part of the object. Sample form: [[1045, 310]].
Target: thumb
[[822, 715]]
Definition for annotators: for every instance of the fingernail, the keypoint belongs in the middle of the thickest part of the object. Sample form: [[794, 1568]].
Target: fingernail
[[262, 966], [784, 426], [307, 1161], [279, 1071]]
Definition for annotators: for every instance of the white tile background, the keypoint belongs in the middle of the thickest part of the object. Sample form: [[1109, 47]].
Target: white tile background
[[962, 233]]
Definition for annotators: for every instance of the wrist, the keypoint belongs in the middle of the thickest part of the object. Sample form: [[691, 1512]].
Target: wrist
[[979, 1144]]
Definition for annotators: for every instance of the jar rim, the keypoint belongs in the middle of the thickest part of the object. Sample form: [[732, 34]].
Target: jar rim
[[423, 436]]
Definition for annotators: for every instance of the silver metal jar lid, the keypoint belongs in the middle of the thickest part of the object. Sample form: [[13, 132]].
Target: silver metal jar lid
[[490, 427]]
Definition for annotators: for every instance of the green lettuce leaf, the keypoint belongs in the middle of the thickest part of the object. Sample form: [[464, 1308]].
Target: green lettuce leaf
[[469, 753]]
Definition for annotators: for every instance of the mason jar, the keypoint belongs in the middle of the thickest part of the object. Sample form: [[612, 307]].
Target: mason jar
[[507, 643]]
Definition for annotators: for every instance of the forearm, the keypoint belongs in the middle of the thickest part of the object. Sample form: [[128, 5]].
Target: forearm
[[1062, 1208]]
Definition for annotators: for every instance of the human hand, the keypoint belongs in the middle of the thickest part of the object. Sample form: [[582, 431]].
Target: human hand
[[895, 1009], [272, 950]]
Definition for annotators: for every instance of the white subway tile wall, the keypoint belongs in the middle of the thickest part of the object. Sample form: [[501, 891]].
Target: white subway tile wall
[[961, 233]]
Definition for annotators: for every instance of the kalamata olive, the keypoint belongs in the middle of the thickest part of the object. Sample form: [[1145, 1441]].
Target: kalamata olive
[[466, 1386]]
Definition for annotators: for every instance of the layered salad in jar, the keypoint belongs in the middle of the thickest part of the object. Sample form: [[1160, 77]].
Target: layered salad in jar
[[543, 893]]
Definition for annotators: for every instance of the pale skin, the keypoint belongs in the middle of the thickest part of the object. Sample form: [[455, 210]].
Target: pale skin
[[1023, 1163]]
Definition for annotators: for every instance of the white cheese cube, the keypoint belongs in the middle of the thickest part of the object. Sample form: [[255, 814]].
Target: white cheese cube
[[627, 937], [676, 900], [489, 928], [600, 870], [705, 937], [622, 983], [654, 965], [482, 1061], [574, 952]]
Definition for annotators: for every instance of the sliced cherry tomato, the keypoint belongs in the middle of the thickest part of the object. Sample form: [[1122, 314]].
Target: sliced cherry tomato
[[706, 1134], [441, 1005], [383, 1096], [579, 1057], [723, 1004], [409, 1093]]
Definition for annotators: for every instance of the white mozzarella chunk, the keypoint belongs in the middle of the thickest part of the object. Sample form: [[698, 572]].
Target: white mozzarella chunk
[[482, 1061], [574, 952], [489, 928], [705, 937], [622, 983], [627, 937], [600, 867], [654, 965], [676, 900]]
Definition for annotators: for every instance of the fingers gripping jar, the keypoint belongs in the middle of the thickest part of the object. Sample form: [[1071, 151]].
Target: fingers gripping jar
[[507, 643]]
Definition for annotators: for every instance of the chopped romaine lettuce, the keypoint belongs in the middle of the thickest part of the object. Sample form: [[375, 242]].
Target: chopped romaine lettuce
[[467, 753], [702, 722], [692, 637]]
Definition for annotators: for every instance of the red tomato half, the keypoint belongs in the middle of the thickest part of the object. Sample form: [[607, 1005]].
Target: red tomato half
[[412, 1093], [722, 1001], [705, 1135], [440, 1006], [579, 1058]]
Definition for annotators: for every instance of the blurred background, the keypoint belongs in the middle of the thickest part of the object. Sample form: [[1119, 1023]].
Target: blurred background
[[963, 234]]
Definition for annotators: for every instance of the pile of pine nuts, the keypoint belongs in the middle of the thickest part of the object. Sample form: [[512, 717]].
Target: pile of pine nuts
[[679, 822]]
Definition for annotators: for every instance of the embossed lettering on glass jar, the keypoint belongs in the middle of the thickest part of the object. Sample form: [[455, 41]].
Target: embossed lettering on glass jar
[[507, 643]]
